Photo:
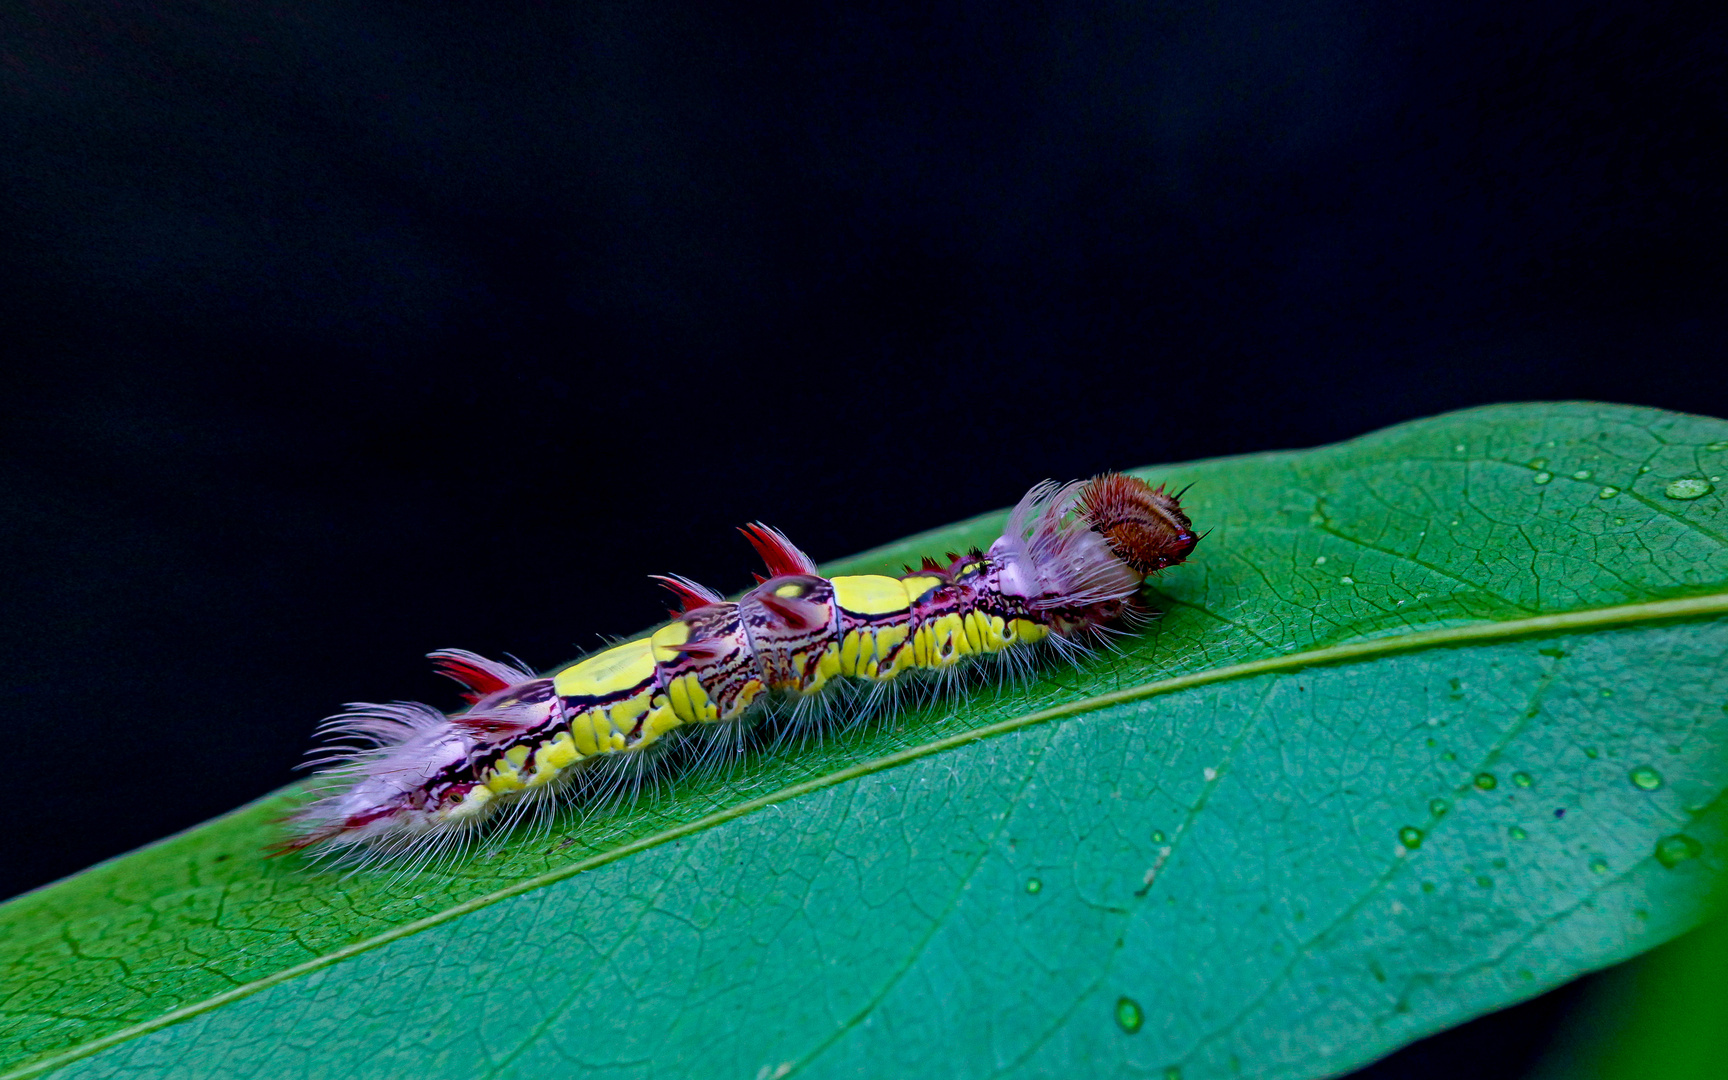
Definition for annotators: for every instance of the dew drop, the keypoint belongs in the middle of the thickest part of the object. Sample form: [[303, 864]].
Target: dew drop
[[1129, 1016], [1522, 779], [1157, 836], [1410, 836], [1542, 477], [1485, 781], [1459, 449], [1643, 468], [1671, 851], [1691, 487], [1348, 580], [1538, 463], [1592, 753], [1598, 865], [1581, 474], [1608, 492], [1034, 885], [1717, 446], [1319, 560], [1517, 832], [1438, 807], [1644, 778]]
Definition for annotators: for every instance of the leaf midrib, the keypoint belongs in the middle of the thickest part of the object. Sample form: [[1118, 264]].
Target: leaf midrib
[[1682, 608]]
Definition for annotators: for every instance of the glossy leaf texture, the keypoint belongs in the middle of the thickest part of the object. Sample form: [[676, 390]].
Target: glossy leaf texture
[[1436, 719]]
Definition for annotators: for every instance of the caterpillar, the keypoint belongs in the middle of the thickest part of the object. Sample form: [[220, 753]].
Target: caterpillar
[[404, 778]]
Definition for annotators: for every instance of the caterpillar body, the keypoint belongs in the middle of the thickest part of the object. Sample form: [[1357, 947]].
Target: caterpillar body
[[407, 779]]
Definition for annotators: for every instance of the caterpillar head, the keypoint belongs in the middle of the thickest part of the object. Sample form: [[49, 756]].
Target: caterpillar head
[[1143, 525]]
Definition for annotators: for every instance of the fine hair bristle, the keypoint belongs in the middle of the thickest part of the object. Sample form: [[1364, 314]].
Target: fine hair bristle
[[1144, 526]]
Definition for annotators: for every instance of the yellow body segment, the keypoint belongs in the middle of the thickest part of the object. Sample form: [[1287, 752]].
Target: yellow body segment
[[661, 719], [663, 640], [618, 668], [892, 654], [690, 701], [827, 667], [503, 778], [554, 756], [624, 713], [854, 643], [944, 642], [917, 586], [870, 594]]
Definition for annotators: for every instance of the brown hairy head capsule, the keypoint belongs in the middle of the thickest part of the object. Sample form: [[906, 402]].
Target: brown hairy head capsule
[[1143, 525]]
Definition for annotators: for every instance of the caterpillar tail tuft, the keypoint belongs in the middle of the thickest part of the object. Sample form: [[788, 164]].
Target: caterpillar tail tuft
[[406, 780]]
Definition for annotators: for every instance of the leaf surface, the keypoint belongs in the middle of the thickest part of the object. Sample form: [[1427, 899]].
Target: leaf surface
[[1435, 720]]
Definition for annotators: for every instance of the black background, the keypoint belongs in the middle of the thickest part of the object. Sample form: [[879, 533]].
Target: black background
[[340, 332]]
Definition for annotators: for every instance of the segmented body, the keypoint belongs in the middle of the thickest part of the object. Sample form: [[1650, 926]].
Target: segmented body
[[1070, 561]]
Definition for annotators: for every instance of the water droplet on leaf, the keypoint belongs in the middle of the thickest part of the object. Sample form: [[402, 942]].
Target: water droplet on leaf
[[1538, 463], [1671, 851], [1691, 487], [1157, 836], [1543, 477], [1034, 885], [1517, 832], [1410, 836], [1717, 446], [1438, 807], [1319, 560], [1644, 778], [1129, 1017], [1485, 781], [1581, 474], [1598, 865], [1522, 779], [1608, 492]]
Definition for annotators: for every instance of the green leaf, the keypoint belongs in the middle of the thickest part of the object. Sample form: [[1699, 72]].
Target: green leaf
[[1435, 721]]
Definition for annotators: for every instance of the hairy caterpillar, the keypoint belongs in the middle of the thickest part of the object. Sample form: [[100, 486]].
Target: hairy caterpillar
[[411, 780]]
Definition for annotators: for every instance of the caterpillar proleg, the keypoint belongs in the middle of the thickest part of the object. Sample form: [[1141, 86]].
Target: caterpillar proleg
[[405, 778]]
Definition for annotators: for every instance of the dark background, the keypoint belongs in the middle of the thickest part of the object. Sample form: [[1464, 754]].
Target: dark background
[[339, 333]]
